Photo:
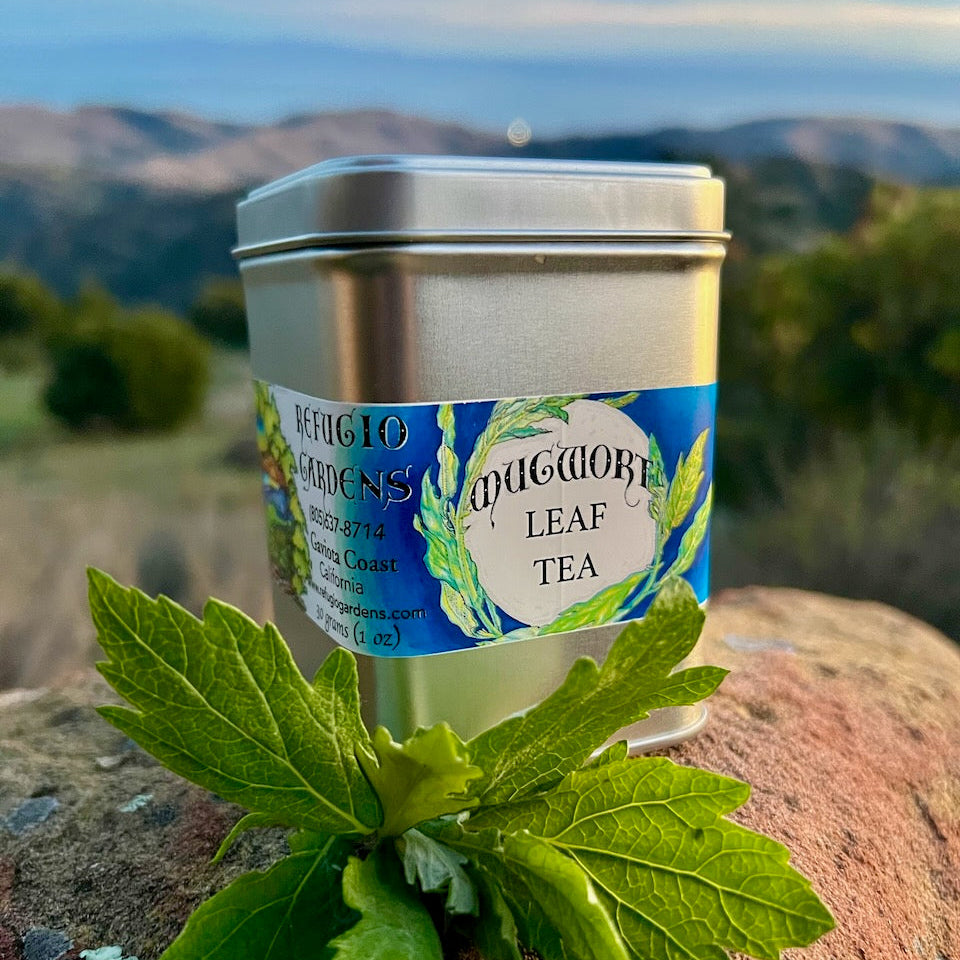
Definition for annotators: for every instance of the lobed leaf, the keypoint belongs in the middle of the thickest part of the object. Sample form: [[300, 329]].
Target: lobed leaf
[[424, 777], [681, 881], [252, 821], [429, 523], [554, 904], [527, 752], [437, 868], [221, 702], [615, 752], [394, 924], [495, 932], [274, 915]]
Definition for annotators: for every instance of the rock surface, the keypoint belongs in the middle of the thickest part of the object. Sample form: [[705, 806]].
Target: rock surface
[[845, 717]]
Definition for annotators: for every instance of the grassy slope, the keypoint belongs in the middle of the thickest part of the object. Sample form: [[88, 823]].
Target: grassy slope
[[66, 502]]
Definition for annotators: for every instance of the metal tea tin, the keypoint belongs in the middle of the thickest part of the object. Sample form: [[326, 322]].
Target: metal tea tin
[[477, 380]]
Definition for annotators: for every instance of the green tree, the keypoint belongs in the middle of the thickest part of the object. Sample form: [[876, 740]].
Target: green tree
[[26, 305], [863, 326], [868, 324], [136, 370]]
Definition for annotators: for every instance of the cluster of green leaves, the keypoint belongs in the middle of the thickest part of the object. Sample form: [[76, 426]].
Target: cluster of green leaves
[[516, 837]]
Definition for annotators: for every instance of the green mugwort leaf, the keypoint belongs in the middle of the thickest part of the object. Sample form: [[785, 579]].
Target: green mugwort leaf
[[615, 752], [656, 484], [458, 611], [446, 457], [495, 932], [686, 482], [624, 400], [552, 900], [693, 537], [429, 523], [424, 777], [525, 753], [394, 924], [519, 432], [222, 703], [274, 915], [602, 607], [252, 821], [681, 881], [437, 868]]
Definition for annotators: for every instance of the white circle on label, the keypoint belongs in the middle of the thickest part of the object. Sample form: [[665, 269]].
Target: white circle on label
[[559, 516]]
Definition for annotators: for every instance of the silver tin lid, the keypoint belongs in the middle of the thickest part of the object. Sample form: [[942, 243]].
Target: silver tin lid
[[404, 199]]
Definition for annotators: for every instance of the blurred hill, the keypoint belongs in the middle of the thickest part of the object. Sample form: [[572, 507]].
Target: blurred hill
[[143, 202], [182, 152], [902, 152], [110, 139], [185, 152]]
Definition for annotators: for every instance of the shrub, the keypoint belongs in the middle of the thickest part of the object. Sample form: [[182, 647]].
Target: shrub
[[140, 370], [165, 366], [874, 517], [862, 327], [220, 314], [87, 385], [26, 305]]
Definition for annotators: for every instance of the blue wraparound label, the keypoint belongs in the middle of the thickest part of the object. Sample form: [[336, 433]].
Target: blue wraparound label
[[410, 529]]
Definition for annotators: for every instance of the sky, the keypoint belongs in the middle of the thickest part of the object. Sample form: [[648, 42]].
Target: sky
[[714, 59]]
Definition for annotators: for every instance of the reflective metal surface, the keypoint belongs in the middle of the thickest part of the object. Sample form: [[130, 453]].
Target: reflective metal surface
[[362, 200], [452, 322]]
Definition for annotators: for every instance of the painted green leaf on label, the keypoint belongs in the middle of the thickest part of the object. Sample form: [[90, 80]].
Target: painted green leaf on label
[[221, 702], [682, 881], [692, 538], [622, 400], [685, 483], [446, 457], [274, 915], [437, 869], [394, 924], [527, 752], [458, 611], [603, 607], [424, 777]]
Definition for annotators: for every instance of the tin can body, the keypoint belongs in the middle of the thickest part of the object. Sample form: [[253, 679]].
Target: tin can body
[[444, 320]]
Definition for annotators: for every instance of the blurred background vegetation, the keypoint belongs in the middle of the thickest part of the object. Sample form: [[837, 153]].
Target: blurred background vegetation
[[126, 435]]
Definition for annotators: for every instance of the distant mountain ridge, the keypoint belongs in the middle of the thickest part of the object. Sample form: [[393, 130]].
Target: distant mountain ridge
[[187, 153], [109, 140], [144, 203]]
